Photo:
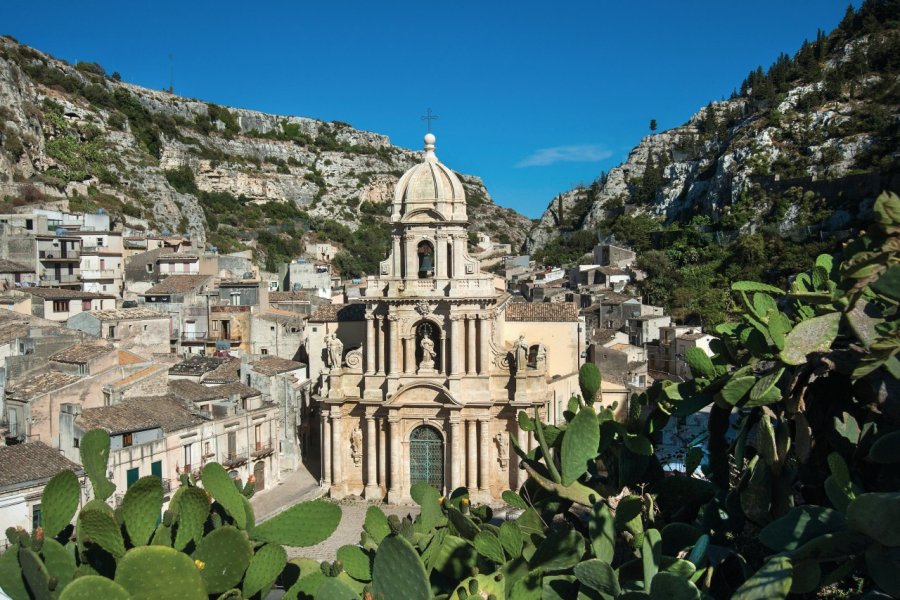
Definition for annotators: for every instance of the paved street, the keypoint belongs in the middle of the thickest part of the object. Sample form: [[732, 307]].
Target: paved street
[[299, 486]]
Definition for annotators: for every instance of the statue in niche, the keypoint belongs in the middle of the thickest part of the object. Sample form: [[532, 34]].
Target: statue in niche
[[428, 354], [540, 358], [521, 350], [356, 443], [502, 449], [335, 351]]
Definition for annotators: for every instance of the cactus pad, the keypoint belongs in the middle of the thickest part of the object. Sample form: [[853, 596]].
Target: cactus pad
[[511, 538], [398, 572], [93, 587], [598, 575], [99, 527], [59, 502], [306, 587], [579, 445], [265, 566], [192, 506], [335, 589], [217, 482], [94, 450], [35, 573], [304, 524], [141, 507], [226, 552], [59, 561], [153, 572], [357, 562], [376, 524], [488, 545]]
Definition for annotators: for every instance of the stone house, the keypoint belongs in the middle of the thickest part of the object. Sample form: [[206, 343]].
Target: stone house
[[621, 363], [278, 334], [666, 355], [186, 299], [59, 260], [300, 302], [243, 292], [321, 251], [102, 261], [645, 328], [142, 330], [610, 255], [229, 328], [310, 275], [286, 384], [25, 470], [60, 304], [13, 275], [196, 368]]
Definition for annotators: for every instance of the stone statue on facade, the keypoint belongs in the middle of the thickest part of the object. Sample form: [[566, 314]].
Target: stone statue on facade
[[521, 350], [502, 449], [356, 445], [540, 359], [428, 355], [335, 351], [323, 384]]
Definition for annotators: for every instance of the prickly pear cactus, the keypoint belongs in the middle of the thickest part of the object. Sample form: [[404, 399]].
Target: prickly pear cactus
[[94, 587], [217, 482], [398, 571], [304, 524], [153, 572], [225, 554], [191, 508], [59, 502], [141, 508], [589, 380], [265, 566], [94, 450]]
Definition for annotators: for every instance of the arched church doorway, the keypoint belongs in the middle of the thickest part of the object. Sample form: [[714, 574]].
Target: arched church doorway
[[426, 457]]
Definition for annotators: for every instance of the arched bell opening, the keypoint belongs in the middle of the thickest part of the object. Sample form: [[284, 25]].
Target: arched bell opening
[[425, 253]]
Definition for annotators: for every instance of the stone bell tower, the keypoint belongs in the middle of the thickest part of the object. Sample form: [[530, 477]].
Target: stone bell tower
[[423, 380]]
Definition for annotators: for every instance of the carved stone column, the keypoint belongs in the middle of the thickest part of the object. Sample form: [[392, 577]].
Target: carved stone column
[[455, 456], [382, 454], [372, 489], [396, 257], [326, 450], [456, 344], [440, 262], [484, 363], [337, 452], [394, 343], [443, 367], [409, 352], [370, 344], [470, 355], [382, 349], [472, 457], [484, 454], [394, 425]]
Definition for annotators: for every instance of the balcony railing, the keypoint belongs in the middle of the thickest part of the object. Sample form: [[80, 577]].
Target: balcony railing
[[194, 336], [98, 273], [233, 459], [262, 449], [54, 256]]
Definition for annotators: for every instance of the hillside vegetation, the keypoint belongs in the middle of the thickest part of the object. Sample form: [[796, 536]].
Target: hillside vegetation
[[749, 187], [74, 136]]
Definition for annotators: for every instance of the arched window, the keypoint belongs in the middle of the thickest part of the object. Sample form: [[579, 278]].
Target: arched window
[[425, 252]]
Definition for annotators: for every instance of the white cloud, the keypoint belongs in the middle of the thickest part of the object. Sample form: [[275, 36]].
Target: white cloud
[[576, 153]]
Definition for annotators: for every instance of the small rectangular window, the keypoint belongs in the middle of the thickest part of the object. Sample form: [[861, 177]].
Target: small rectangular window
[[35, 517], [60, 306], [149, 268], [127, 440], [264, 351], [76, 442]]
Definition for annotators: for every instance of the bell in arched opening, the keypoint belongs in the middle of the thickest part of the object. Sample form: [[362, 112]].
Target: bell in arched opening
[[425, 251]]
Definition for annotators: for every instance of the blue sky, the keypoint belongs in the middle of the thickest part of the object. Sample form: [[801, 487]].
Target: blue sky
[[532, 96]]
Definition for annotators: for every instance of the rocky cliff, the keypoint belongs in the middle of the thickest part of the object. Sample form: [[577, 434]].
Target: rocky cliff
[[807, 144], [73, 135]]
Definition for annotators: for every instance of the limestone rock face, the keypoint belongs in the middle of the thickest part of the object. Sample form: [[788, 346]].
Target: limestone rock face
[[327, 169], [801, 139]]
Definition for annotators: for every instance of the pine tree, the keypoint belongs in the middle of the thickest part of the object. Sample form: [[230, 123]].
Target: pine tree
[[652, 124]]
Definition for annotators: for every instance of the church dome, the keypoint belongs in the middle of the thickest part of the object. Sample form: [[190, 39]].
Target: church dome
[[430, 186]]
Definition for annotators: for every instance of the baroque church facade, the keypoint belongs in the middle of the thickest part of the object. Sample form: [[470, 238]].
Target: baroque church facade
[[423, 377]]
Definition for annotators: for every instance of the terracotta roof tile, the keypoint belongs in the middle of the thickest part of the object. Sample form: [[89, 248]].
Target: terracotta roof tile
[[178, 284], [339, 312], [228, 372], [38, 385], [197, 392], [127, 314], [80, 353], [8, 266], [272, 365], [542, 311], [31, 462], [134, 414], [196, 365]]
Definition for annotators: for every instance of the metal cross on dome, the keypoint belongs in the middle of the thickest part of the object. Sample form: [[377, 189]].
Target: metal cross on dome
[[429, 117]]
